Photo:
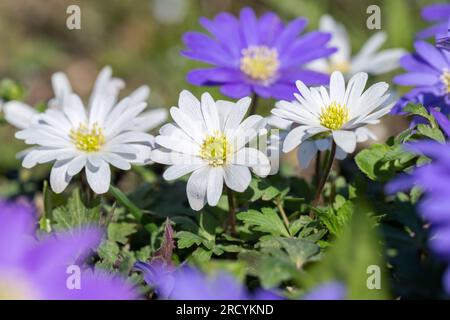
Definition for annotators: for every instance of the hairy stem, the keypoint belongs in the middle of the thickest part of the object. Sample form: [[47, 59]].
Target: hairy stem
[[283, 213], [254, 104], [324, 178], [317, 169], [231, 211]]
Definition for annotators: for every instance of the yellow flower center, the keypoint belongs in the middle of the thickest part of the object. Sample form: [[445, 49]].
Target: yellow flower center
[[87, 139], [445, 78], [342, 66], [334, 116], [260, 63], [215, 149], [15, 289]]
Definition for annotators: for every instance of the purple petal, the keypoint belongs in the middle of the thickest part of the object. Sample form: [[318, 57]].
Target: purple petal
[[313, 41], [282, 91], [432, 31], [270, 26], [442, 120], [17, 227], [431, 54], [236, 91], [214, 76], [440, 239], [416, 79], [446, 280], [225, 28], [289, 33], [327, 291], [438, 11], [413, 62], [401, 183], [54, 253], [309, 77], [249, 26]]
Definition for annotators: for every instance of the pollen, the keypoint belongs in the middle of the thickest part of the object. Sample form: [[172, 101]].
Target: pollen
[[87, 139], [334, 116], [445, 78], [260, 63], [215, 149]]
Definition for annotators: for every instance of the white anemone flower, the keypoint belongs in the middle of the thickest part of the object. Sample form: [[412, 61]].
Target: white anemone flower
[[76, 138], [321, 116], [21, 115], [212, 140], [368, 59]]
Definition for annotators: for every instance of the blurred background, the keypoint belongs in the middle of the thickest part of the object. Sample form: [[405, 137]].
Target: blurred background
[[141, 40]]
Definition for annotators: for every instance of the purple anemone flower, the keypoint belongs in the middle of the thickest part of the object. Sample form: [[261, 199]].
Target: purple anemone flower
[[327, 291], [188, 283], [443, 39], [250, 55], [437, 13], [51, 267], [428, 70], [433, 178]]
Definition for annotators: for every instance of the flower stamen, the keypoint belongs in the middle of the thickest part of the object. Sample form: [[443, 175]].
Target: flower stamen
[[445, 78], [87, 139], [215, 149], [334, 116], [260, 63]]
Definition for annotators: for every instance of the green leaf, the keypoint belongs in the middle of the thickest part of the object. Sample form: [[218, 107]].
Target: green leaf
[[336, 218], [367, 159], [124, 201], [429, 132], [119, 232], [265, 221], [349, 258], [187, 239], [74, 214]]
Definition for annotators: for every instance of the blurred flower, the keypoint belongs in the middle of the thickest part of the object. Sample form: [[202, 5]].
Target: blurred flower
[[251, 55], [438, 13], [366, 60], [37, 269], [433, 179], [443, 39], [188, 283], [22, 115], [339, 114], [327, 291], [209, 140], [428, 70], [77, 139]]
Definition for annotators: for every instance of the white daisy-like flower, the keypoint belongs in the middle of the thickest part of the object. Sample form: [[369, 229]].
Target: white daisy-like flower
[[321, 116], [368, 59], [21, 115], [212, 140], [76, 138]]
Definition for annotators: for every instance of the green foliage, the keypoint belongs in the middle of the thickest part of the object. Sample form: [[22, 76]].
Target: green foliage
[[266, 220], [336, 217], [74, 214]]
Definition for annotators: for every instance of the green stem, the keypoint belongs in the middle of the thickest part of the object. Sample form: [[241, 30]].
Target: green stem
[[325, 175], [254, 104], [317, 169], [231, 211], [283, 213]]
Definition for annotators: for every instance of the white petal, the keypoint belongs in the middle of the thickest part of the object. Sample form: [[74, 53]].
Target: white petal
[[255, 159], [294, 138], [345, 139], [19, 114], [59, 179], [363, 134], [172, 158], [151, 119], [180, 170], [196, 188], [337, 87], [237, 177], [76, 164], [191, 127], [98, 178], [354, 90], [306, 153], [237, 113], [74, 110], [210, 113], [215, 186], [61, 89], [190, 105], [141, 94], [116, 161]]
